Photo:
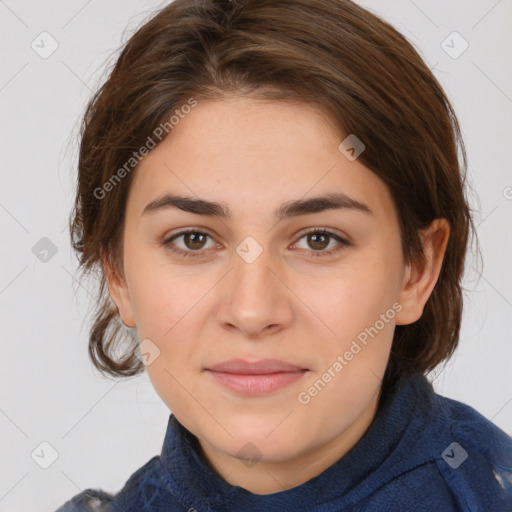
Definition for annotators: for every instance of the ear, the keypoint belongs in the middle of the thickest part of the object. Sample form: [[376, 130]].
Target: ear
[[118, 291], [420, 278]]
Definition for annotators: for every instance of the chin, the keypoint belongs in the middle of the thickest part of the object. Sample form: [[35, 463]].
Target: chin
[[257, 437], [272, 449]]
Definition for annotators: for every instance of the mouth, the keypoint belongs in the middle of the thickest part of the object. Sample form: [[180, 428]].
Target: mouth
[[255, 378]]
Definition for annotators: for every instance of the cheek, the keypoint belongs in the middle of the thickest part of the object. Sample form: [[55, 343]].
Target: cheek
[[169, 309], [162, 294], [354, 298]]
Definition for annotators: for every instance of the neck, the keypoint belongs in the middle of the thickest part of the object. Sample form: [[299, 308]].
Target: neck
[[268, 477]]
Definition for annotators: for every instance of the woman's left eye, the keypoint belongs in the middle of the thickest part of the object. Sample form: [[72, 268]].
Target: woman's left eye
[[317, 239]]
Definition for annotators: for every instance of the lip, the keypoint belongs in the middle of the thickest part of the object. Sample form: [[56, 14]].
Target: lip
[[260, 367], [255, 378]]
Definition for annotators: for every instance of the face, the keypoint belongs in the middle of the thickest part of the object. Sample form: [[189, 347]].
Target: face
[[308, 293]]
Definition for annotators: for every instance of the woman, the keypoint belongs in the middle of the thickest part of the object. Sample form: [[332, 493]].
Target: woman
[[272, 194]]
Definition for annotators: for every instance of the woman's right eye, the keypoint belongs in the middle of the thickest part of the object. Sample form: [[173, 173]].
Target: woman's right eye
[[193, 240]]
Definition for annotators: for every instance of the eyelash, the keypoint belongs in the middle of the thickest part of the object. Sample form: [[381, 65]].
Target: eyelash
[[312, 254]]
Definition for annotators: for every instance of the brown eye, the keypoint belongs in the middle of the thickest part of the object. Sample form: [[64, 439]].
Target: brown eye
[[318, 240], [192, 243], [194, 240]]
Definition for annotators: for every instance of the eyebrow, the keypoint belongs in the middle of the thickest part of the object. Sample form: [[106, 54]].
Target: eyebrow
[[332, 201]]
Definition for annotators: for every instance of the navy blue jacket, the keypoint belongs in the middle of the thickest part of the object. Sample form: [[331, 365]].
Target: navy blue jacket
[[422, 453]]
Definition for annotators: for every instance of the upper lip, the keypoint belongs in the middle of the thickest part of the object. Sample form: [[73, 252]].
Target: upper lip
[[261, 367]]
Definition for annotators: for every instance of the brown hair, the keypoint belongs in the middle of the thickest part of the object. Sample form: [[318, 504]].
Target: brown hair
[[332, 53]]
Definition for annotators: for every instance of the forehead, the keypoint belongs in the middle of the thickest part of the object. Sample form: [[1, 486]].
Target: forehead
[[254, 154]]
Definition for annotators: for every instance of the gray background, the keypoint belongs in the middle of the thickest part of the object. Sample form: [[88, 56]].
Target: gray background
[[103, 430]]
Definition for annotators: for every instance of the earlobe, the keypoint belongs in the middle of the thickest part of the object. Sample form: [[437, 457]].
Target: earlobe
[[420, 277], [118, 291]]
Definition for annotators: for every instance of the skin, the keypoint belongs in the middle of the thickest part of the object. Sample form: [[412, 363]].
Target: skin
[[254, 155]]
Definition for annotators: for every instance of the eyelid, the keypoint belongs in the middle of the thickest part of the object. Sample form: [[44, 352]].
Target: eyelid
[[323, 229], [167, 240], [342, 240]]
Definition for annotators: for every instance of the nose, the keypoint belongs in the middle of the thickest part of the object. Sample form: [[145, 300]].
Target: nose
[[254, 298]]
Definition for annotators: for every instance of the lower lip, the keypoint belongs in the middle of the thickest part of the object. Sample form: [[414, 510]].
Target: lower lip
[[253, 385]]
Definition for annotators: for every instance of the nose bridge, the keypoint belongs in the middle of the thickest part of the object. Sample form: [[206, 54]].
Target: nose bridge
[[256, 298], [252, 280]]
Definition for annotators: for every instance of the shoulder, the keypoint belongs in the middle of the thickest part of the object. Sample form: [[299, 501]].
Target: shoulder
[[97, 500], [88, 500], [472, 455], [449, 457]]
